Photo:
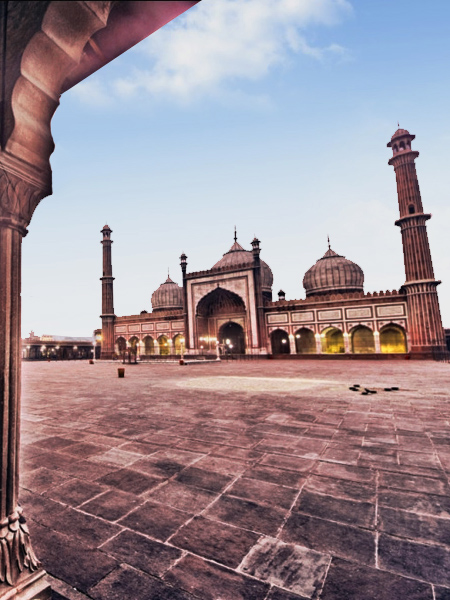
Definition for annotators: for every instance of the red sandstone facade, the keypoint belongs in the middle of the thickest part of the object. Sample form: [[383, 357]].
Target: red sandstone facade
[[229, 309]]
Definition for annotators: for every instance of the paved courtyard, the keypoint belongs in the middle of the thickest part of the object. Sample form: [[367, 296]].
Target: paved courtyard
[[266, 480]]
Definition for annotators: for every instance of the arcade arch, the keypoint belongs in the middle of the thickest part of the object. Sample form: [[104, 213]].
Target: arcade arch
[[163, 343], [178, 344], [305, 341], [149, 345], [121, 345], [279, 340], [393, 339], [332, 341], [362, 339]]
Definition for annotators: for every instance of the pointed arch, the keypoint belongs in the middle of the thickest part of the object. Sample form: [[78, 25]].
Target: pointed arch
[[305, 341], [393, 339], [279, 340], [332, 340], [220, 301], [362, 340]]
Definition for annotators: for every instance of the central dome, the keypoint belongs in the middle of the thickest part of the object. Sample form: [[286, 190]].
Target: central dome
[[333, 274], [169, 296], [237, 256]]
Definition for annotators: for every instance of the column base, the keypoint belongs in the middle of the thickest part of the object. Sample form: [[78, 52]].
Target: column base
[[33, 586], [107, 355]]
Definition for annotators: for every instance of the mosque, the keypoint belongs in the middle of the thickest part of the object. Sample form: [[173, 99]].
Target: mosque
[[229, 308]]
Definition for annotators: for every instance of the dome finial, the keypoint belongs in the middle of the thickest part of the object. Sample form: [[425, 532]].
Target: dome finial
[[235, 234], [329, 247]]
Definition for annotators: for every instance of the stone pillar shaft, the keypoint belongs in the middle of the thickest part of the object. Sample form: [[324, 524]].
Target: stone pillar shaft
[[376, 337], [19, 567], [292, 347], [10, 278], [347, 344]]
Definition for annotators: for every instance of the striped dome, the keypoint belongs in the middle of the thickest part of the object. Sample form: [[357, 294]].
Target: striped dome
[[169, 296], [333, 274], [237, 255]]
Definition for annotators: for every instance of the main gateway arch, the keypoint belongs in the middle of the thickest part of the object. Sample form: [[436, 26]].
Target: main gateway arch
[[46, 48]]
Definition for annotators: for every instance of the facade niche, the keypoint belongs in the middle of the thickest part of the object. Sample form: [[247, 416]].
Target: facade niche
[[305, 341], [163, 343], [332, 341], [393, 339], [121, 345], [363, 341], [149, 345], [280, 342], [178, 344]]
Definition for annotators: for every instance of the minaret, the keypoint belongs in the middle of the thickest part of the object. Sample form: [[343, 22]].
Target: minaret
[[107, 315], [426, 334], [183, 263], [258, 293]]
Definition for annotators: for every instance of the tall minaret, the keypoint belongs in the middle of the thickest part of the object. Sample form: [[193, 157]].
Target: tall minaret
[[261, 330], [107, 315], [426, 334], [183, 262]]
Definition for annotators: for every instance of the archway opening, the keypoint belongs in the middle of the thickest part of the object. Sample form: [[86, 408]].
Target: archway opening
[[363, 341], [149, 345], [163, 343], [218, 306], [280, 342], [133, 344], [232, 336], [332, 341], [178, 344], [121, 345], [220, 302], [392, 339], [305, 341]]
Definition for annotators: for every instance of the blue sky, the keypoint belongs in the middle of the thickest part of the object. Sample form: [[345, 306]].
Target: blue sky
[[271, 116]]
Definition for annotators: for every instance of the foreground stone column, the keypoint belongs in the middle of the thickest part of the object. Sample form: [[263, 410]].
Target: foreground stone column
[[21, 576]]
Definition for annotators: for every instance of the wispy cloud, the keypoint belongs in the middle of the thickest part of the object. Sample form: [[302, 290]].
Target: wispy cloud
[[220, 43]]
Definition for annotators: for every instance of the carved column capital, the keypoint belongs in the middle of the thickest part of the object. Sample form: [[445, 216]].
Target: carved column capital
[[18, 200]]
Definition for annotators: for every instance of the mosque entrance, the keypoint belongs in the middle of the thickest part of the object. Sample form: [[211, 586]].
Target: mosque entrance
[[215, 312], [232, 336]]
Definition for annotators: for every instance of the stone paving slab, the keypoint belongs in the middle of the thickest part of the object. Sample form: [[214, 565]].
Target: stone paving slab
[[264, 480]]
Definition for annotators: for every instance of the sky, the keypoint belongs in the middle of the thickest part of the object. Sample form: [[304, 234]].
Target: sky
[[269, 116]]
